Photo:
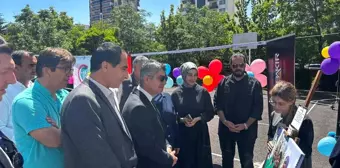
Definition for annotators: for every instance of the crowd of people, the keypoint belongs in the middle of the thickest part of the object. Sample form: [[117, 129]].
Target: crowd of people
[[116, 120]]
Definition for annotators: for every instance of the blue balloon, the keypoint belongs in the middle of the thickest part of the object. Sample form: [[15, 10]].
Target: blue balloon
[[167, 69], [326, 145], [331, 134], [250, 73], [179, 80], [169, 83]]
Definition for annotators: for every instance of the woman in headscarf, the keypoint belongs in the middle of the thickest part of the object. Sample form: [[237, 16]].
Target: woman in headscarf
[[283, 97], [193, 104]]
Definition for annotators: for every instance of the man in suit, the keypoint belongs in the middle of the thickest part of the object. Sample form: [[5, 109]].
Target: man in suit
[[128, 84], [94, 134], [144, 120]]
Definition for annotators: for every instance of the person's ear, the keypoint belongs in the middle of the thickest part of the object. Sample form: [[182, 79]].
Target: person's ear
[[105, 66], [46, 71]]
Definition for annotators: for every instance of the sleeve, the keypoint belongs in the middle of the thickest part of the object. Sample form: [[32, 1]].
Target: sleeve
[[218, 97], [87, 134], [29, 114], [208, 112], [5, 107], [257, 102], [144, 136], [306, 135]]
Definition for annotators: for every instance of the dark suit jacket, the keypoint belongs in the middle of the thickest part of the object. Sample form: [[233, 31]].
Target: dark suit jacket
[[92, 134], [127, 87], [145, 124]]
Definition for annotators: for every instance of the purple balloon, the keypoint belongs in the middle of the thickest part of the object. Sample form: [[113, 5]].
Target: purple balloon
[[334, 50], [329, 66], [176, 72]]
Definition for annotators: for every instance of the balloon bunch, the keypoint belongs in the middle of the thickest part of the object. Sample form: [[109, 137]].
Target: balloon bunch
[[326, 144], [169, 83], [211, 77], [331, 64], [255, 69], [177, 74]]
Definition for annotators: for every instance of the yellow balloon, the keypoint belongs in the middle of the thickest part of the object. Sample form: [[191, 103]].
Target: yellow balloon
[[324, 52], [208, 80], [88, 74]]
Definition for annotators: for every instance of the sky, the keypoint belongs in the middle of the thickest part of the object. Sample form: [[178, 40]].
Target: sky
[[79, 9]]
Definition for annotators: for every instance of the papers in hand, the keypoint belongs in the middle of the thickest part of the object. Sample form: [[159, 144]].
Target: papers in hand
[[298, 118]]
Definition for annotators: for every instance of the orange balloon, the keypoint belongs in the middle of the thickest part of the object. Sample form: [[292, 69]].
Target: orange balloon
[[208, 80]]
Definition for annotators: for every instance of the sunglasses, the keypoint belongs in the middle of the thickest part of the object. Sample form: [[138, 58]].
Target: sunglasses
[[163, 78], [242, 65]]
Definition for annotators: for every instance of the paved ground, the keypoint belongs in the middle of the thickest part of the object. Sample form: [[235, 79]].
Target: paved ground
[[323, 116]]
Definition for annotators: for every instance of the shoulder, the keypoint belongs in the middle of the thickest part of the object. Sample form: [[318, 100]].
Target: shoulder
[[307, 121], [179, 89]]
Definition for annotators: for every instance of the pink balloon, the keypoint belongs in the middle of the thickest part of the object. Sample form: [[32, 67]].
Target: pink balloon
[[258, 66], [70, 80], [248, 67], [262, 79]]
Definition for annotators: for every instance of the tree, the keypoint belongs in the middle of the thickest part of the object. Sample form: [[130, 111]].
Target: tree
[[3, 25], [96, 35], [36, 31]]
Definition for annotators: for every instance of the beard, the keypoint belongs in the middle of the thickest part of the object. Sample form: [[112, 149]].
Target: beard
[[238, 73]]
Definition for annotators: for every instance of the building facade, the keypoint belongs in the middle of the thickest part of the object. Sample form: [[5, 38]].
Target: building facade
[[219, 5], [101, 9]]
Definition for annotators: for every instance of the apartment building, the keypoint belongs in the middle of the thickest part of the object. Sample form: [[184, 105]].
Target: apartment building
[[101, 9], [219, 5]]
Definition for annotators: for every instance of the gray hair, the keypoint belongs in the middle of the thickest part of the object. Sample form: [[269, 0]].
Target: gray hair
[[139, 60], [2, 40], [150, 68]]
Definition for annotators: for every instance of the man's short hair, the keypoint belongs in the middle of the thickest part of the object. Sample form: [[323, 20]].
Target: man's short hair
[[108, 52], [150, 68], [5, 49], [2, 40], [51, 57], [17, 56], [237, 55], [139, 60]]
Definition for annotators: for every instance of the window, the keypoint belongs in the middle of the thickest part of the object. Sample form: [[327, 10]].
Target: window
[[222, 9], [222, 2]]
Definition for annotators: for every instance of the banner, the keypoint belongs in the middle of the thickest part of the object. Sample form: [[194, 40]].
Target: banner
[[81, 69], [281, 62]]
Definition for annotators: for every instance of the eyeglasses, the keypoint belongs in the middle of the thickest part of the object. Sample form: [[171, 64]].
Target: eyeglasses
[[163, 78], [238, 65], [273, 103], [67, 70]]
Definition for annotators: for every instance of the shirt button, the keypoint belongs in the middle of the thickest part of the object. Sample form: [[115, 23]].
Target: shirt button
[[169, 136]]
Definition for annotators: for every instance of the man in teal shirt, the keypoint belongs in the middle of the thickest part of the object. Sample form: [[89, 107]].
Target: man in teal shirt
[[36, 111]]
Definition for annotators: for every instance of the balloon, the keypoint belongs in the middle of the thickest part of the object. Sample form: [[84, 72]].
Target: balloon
[[215, 66], [262, 79], [334, 50], [250, 73], [202, 72], [89, 73], [179, 80], [70, 80], [326, 145], [167, 69], [329, 66], [169, 83], [208, 80], [176, 72], [258, 66], [331, 134], [209, 88], [248, 67], [324, 52]]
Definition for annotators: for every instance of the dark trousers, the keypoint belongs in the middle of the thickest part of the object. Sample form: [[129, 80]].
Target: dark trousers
[[245, 141]]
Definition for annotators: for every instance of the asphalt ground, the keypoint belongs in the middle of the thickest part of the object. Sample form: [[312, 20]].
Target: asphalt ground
[[324, 119]]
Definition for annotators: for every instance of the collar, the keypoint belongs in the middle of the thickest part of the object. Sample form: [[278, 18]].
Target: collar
[[17, 85], [107, 92], [42, 89], [145, 93]]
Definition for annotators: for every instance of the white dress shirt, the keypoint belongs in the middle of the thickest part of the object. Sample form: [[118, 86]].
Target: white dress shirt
[[148, 95], [111, 95], [6, 125]]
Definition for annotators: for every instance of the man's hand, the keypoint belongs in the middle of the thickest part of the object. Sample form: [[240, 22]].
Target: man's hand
[[174, 158], [193, 122], [231, 126], [53, 123], [240, 127]]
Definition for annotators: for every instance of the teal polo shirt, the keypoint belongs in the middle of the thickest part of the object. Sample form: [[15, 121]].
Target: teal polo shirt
[[29, 111]]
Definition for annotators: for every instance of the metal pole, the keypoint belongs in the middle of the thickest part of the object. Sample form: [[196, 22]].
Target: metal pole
[[338, 121], [249, 56]]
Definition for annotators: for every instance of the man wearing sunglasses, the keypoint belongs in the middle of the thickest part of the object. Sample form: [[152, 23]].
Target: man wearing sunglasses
[[144, 119], [239, 104]]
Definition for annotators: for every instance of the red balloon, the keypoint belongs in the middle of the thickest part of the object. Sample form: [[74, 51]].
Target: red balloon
[[209, 88], [202, 72], [215, 66]]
